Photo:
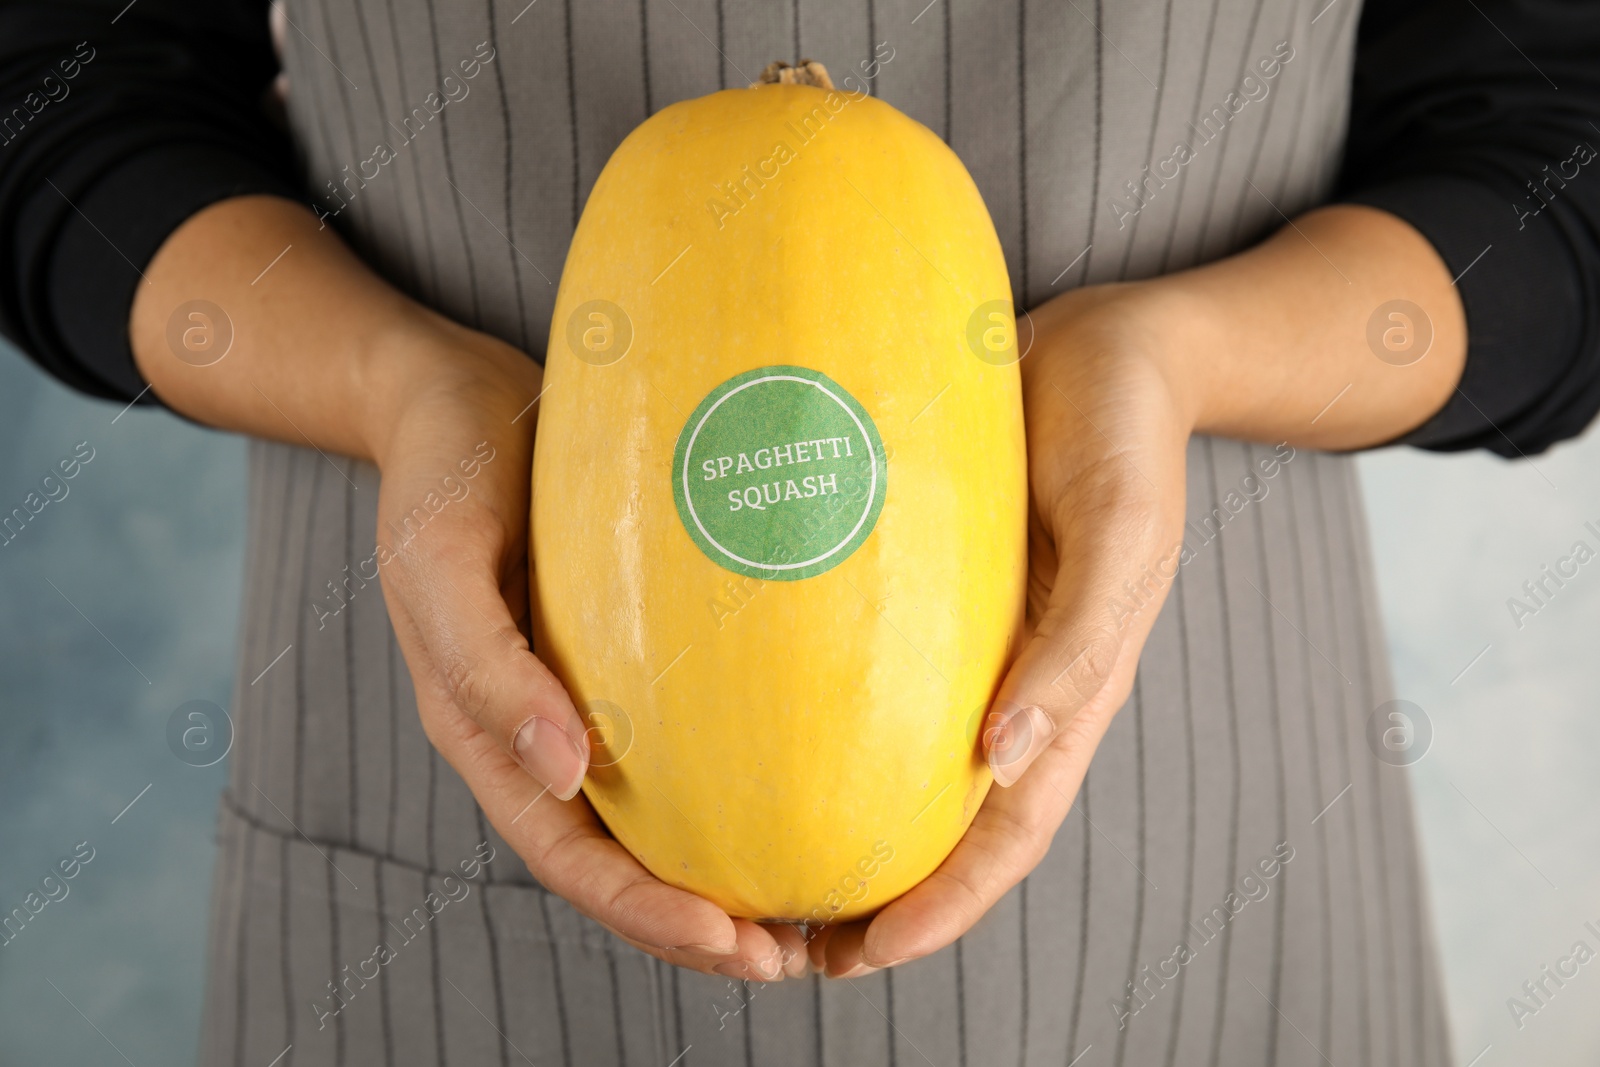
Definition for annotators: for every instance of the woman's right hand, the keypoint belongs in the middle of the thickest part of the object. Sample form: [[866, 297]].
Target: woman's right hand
[[457, 592], [322, 351]]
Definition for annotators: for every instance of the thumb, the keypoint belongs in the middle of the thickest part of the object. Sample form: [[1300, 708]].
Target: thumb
[[1078, 667], [459, 622]]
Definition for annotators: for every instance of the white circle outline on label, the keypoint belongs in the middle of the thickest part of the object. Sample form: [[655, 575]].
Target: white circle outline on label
[[866, 438]]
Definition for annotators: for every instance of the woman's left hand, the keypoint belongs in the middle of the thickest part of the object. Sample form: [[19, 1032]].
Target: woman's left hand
[[1273, 344], [1107, 430]]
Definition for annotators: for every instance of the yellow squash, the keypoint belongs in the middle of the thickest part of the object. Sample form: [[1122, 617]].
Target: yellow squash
[[779, 497]]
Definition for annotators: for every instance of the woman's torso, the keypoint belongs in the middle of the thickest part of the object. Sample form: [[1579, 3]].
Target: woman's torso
[[1248, 716]]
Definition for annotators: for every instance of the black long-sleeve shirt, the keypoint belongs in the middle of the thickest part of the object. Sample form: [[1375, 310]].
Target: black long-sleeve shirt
[[1476, 121]]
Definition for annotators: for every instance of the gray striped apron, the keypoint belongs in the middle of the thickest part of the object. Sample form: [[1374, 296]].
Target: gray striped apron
[[1243, 742]]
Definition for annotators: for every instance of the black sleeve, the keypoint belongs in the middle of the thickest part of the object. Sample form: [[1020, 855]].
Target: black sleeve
[[117, 122], [1478, 122]]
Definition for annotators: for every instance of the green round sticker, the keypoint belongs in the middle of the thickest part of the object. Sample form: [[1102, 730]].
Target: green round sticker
[[779, 473]]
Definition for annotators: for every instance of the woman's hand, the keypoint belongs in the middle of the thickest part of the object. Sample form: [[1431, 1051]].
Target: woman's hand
[[457, 591], [1107, 431], [321, 351], [1274, 344]]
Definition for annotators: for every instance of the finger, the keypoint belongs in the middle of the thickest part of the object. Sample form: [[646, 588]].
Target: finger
[[754, 958], [844, 951], [1009, 836], [1112, 575], [817, 946], [460, 623], [760, 959], [792, 945]]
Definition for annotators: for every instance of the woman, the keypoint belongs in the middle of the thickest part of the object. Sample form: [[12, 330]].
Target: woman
[[1238, 882]]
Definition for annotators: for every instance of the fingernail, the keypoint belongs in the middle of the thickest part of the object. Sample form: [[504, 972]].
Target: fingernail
[[743, 972], [1016, 740], [547, 753], [860, 970]]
